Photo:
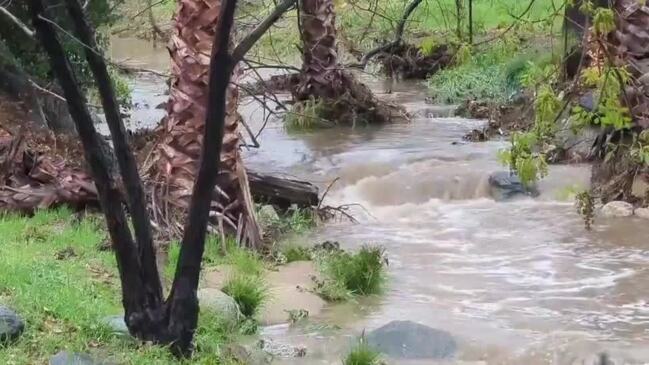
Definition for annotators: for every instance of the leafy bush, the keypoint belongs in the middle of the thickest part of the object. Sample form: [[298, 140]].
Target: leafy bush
[[248, 291], [363, 354]]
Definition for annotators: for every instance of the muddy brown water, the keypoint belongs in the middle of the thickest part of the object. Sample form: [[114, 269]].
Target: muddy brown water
[[517, 282]]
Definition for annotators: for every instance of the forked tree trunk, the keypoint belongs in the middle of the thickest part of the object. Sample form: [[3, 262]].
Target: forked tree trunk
[[177, 154], [150, 318]]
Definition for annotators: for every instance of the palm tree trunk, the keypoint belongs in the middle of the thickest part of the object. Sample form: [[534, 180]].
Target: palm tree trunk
[[177, 153], [323, 78]]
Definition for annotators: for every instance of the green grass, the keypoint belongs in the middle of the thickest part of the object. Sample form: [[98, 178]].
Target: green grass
[[63, 298], [294, 252], [249, 291], [491, 74], [347, 274], [363, 354]]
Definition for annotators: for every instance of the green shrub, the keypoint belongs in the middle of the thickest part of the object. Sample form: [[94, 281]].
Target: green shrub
[[362, 273], [248, 291], [363, 354]]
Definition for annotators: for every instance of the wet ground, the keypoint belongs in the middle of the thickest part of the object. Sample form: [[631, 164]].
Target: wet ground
[[518, 282]]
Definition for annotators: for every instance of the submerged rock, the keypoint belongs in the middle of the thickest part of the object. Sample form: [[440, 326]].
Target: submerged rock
[[11, 325], [410, 340], [505, 185], [616, 209], [217, 301], [73, 358]]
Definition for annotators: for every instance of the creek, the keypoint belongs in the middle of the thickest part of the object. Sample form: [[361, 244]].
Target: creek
[[515, 282]]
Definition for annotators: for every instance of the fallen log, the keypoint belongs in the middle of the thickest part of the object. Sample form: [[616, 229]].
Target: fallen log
[[282, 192]]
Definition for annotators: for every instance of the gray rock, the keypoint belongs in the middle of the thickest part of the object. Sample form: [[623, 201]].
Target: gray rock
[[642, 213], [267, 216], [11, 325], [410, 340], [73, 358], [574, 145], [588, 101], [117, 324], [505, 185], [217, 301], [617, 209]]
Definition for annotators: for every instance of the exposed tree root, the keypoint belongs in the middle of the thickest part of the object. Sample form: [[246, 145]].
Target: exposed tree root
[[409, 62]]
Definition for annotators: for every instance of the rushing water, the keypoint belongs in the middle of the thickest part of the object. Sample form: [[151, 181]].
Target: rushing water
[[517, 282]]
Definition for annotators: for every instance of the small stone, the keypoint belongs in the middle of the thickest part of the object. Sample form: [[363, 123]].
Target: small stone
[[410, 340], [117, 324], [11, 325], [73, 358], [642, 213], [617, 209], [217, 301]]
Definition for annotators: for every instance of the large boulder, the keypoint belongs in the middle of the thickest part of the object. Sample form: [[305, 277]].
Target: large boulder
[[410, 340], [617, 209], [11, 325], [218, 302], [73, 358], [505, 185]]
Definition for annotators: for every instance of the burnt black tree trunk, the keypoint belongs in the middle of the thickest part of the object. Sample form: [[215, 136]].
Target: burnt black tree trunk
[[148, 317]]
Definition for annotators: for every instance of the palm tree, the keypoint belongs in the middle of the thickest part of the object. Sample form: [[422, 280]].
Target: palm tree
[[322, 76], [178, 150]]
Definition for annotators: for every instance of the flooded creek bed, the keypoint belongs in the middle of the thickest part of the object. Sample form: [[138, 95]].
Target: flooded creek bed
[[516, 282]]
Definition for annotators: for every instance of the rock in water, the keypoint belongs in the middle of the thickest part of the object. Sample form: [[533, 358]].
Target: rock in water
[[11, 325], [505, 185], [617, 209], [410, 340], [73, 358], [218, 302]]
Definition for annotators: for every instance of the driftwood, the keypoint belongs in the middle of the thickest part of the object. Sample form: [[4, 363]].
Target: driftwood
[[282, 192]]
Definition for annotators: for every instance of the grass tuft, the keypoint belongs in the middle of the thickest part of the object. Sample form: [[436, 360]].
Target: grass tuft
[[363, 354], [293, 252], [362, 273], [248, 291]]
